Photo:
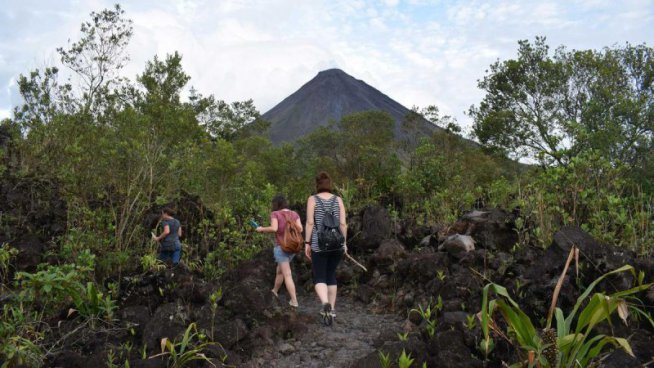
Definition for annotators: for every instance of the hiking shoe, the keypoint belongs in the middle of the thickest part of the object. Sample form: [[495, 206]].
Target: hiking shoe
[[326, 314], [294, 305]]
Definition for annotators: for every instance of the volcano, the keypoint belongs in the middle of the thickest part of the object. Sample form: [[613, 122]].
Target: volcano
[[330, 95]]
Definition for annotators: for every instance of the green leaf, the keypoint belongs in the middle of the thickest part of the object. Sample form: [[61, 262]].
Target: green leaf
[[520, 322], [589, 289]]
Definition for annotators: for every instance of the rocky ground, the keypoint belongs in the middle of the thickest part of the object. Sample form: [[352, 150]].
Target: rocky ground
[[356, 332]]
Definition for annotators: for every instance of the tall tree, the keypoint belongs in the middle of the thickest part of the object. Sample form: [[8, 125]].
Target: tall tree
[[97, 57], [551, 107]]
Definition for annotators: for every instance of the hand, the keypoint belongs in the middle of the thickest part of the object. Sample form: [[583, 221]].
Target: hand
[[259, 229], [345, 248], [307, 251], [154, 237]]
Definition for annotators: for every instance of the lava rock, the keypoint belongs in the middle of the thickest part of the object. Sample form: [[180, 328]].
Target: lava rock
[[457, 245], [375, 227]]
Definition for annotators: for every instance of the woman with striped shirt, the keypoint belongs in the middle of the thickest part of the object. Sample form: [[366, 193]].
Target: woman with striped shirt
[[324, 263]]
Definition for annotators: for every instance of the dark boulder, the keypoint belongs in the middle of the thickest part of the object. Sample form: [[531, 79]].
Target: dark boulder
[[136, 316], [491, 229], [375, 226], [451, 351], [412, 234], [389, 253], [421, 267], [247, 288], [571, 235], [30, 251], [169, 321], [458, 245]]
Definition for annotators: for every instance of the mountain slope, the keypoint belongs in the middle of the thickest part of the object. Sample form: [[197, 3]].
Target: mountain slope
[[331, 95]]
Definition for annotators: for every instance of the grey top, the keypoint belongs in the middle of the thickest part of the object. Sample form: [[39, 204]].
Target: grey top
[[172, 238]]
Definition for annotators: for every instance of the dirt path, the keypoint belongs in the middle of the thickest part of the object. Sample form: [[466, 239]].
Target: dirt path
[[351, 337]]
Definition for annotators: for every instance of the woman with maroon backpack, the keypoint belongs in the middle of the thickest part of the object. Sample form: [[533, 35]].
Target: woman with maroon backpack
[[278, 224]]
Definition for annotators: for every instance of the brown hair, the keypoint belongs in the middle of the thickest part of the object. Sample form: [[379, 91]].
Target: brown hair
[[279, 202], [169, 211], [323, 182]]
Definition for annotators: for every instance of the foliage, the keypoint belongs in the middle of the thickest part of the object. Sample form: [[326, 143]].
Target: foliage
[[574, 345], [428, 315], [20, 336], [214, 298], [445, 177], [553, 107], [405, 360], [92, 303], [6, 255], [384, 359], [188, 349], [149, 262], [589, 192]]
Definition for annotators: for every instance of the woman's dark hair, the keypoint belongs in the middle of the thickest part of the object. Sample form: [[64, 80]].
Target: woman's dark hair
[[279, 202], [323, 182], [169, 211]]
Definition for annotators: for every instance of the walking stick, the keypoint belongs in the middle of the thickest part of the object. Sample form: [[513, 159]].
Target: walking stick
[[355, 262]]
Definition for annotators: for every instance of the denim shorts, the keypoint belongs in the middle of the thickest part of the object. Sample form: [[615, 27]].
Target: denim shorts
[[281, 256], [172, 255]]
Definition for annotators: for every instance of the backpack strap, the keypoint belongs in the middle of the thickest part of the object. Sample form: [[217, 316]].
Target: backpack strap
[[334, 203], [322, 205]]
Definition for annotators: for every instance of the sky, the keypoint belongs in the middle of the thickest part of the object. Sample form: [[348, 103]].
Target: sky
[[418, 52]]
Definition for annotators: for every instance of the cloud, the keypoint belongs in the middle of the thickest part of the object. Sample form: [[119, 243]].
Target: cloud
[[419, 52]]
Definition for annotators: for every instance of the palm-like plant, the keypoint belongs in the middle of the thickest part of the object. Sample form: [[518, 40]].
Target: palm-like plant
[[182, 353], [572, 344]]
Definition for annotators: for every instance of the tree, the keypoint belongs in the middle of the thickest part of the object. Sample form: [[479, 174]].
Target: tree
[[523, 112], [367, 149], [228, 121], [551, 107], [43, 98], [97, 57]]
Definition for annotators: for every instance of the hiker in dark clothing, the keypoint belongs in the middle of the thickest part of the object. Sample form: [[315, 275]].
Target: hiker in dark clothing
[[170, 247], [324, 261]]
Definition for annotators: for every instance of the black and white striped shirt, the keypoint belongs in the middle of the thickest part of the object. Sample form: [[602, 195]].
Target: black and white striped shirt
[[330, 205]]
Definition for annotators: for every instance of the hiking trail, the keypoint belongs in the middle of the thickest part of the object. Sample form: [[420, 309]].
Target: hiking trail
[[353, 335]]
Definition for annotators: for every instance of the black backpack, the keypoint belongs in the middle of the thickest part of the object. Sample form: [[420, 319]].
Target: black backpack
[[329, 233]]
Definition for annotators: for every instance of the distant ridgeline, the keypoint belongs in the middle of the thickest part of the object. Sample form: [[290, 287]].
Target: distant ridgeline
[[329, 96]]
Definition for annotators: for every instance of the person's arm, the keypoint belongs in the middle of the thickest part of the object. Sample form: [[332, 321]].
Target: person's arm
[[308, 229], [166, 231], [269, 229], [343, 222], [179, 231]]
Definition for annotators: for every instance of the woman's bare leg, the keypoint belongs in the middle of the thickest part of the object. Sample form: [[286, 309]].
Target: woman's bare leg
[[321, 290], [331, 295], [288, 280], [279, 278]]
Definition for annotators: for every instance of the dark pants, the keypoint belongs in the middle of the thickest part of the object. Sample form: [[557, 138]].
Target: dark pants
[[323, 265]]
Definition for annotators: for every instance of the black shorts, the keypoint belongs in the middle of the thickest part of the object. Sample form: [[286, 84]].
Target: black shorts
[[323, 265]]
